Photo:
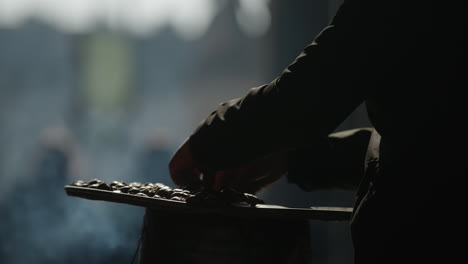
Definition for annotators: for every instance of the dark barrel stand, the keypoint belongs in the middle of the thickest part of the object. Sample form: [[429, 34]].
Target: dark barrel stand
[[169, 237], [176, 232]]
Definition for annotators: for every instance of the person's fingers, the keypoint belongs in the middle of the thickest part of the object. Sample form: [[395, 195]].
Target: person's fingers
[[251, 178], [239, 179], [182, 168], [248, 180], [217, 180], [264, 181], [261, 173], [220, 180], [185, 177], [234, 178]]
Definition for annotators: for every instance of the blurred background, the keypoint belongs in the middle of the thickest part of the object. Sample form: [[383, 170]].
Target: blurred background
[[109, 89]]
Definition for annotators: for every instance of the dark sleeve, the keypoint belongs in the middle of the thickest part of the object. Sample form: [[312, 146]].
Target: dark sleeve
[[302, 106], [337, 162]]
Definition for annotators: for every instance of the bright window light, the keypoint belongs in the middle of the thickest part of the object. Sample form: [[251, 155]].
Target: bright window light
[[189, 18]]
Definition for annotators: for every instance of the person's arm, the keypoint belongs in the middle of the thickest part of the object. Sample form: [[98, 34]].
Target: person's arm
[[301, 107]]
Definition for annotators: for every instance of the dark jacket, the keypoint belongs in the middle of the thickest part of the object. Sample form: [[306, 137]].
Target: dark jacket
[[404, 59]]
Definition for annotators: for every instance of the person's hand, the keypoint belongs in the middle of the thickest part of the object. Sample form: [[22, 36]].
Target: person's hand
[[182, 167], [255, 175], [247, 178]]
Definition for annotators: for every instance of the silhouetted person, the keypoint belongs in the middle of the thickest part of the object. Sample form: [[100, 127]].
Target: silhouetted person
[[404, 59]]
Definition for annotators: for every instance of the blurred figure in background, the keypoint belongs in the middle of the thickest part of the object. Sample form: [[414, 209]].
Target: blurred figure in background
[[153, 158], [36, 209], [41, 225]]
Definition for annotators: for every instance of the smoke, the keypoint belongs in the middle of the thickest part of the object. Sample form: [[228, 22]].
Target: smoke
[[41, 224]]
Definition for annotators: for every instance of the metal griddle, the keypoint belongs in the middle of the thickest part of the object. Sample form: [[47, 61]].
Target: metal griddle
[[237, 210]]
